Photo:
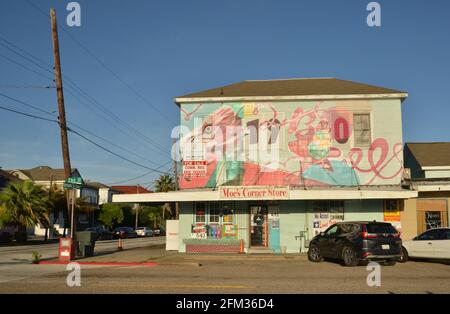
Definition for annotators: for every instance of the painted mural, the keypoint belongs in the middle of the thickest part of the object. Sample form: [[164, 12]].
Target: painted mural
[[299, 144]]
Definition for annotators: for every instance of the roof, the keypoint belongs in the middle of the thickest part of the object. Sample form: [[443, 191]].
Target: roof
[[6, 178], [294, 87], [97, 185], [45, 173], [432, 154], [130, 189]]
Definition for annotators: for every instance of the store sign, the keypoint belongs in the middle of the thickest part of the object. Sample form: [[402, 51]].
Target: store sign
[[199, 231], [194, 168], [229, 231], [258, 193]]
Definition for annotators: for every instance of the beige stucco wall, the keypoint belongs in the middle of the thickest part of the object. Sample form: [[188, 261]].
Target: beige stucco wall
[[409, 212], [408, 218]]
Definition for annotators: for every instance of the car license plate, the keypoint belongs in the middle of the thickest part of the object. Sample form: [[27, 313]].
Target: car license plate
[[385, 246]]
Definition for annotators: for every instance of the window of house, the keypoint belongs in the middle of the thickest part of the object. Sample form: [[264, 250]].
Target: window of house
[[200, 212], [361, 129]]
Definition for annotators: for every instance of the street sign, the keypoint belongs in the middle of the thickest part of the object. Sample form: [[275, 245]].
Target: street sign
[[75, 180], [71, 186]]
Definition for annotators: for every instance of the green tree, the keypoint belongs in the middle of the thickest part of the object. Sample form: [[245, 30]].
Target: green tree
[[154, 216], [165, 183], [24, 204], [111, 214]]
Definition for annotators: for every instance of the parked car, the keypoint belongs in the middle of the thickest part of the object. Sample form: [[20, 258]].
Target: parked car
[[124, 232], [156, 231], [159, 231], [144, 232], [432, 244], [357, 242], [5, 237], [102, 233]]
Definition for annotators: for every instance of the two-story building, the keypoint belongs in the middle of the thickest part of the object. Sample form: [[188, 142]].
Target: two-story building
[[269, 164]]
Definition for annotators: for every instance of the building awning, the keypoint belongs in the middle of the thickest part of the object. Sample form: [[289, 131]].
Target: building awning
[[266, 193]]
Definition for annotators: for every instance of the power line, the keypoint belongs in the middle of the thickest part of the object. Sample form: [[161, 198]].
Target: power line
[[109, 142], [74, 124], [141, 176], [71, 84], [84, 137], [26, 86], [134, 91], [27, 114], [113, 153], [25, 67], [27, 104], [27, 53], [24, 57]]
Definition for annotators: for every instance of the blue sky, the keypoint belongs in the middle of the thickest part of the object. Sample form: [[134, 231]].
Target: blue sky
[[164, 49]]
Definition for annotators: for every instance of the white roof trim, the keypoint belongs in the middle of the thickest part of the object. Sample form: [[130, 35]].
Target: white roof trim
[[436, 168], [293, 195], [179, 100], [432, 188]]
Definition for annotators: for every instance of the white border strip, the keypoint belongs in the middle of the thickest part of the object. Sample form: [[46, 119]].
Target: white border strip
[[180, 100], [293, 195]]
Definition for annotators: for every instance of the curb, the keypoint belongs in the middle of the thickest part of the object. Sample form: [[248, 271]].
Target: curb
[[100, 263], [180, 264]]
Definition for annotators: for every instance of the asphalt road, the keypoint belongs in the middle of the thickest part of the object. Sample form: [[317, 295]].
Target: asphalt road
[[227, 274]]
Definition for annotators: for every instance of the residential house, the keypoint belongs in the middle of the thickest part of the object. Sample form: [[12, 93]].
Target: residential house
[[270, 164], [130, 189], [46, 177], [105, 192], [6, 178]]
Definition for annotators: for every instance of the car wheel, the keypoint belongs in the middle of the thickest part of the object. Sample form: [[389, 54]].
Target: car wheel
[[405, 256], [314, 254], [391, 262], [349, 257]]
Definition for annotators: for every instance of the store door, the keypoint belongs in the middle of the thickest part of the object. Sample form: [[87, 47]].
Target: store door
[[258, 226], [431, 214]]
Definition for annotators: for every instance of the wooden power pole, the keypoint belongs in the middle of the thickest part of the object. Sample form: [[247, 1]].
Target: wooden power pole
[[62, 113], [60, 95]]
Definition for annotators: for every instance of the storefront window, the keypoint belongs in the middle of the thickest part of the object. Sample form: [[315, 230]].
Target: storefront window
[[214, 213], [327, 213], [214, 220], [228, 213], [200, 212]]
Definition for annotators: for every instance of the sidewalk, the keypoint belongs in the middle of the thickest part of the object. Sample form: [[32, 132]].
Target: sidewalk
[[159, 255]]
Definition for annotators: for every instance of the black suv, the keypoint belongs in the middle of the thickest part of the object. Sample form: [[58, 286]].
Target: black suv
[[357, 242]]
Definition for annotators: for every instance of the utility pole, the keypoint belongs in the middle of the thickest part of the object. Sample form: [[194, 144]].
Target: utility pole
[[60, 96], [137, 209], [62, 111], [175, 173]]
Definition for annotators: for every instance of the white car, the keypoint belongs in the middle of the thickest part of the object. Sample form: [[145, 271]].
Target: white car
[[144, 232], [432, 244]]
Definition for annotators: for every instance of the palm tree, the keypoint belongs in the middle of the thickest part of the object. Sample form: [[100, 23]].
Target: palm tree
[[24, 204], [165, 183]]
